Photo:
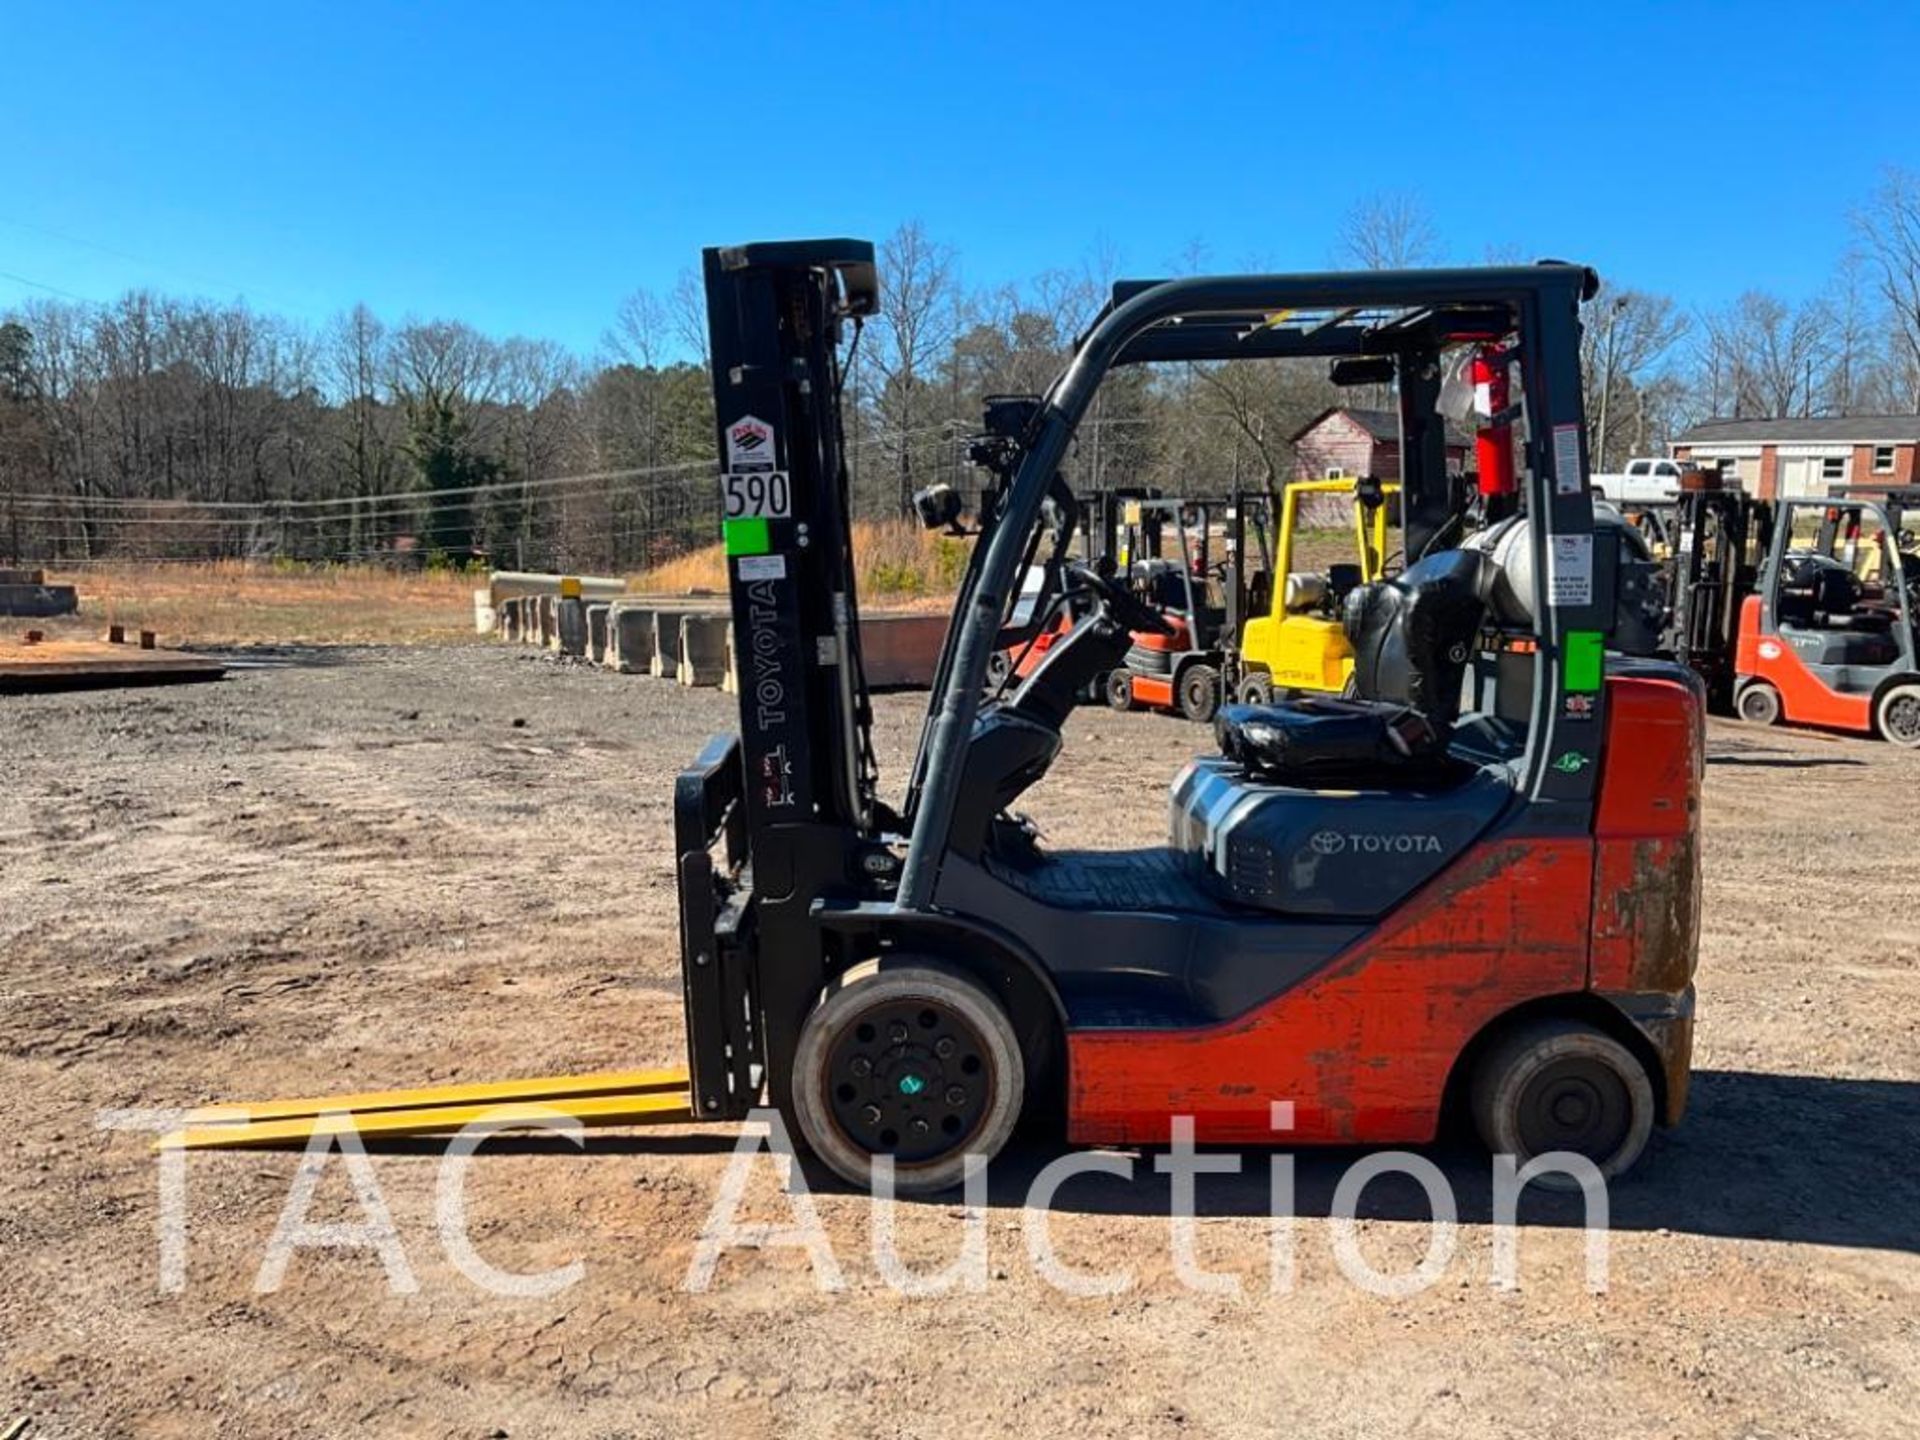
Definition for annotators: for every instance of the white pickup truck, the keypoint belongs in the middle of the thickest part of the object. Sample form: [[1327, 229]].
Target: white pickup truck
[[1646, 480]]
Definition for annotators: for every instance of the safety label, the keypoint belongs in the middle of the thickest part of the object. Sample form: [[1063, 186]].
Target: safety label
[[750, 444], [1570, 569], [1567, 479], [763, 567]]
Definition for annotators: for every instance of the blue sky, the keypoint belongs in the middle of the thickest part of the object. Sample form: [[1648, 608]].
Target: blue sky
[[523, 166]]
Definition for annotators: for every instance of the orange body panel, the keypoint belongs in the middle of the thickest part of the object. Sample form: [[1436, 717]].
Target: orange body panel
[[1365, 1048], [1151, 690], [1804, 697], [1646, 877]]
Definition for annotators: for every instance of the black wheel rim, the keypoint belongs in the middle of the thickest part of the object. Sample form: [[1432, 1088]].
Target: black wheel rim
[[1576, 1104], [911, 1079], [1902, 719]]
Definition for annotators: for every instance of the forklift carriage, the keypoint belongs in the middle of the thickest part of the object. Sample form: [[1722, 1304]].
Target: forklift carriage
[[1474, 882]]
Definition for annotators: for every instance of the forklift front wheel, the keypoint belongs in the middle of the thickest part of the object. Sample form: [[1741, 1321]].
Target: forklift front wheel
[[1561, 1085], [1120, 690], [1200, 693], [915, 1061], [1758, 703], [1898, 715]]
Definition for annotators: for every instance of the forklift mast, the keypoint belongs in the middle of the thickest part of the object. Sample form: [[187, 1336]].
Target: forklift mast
[[775, 314], [793, 795]]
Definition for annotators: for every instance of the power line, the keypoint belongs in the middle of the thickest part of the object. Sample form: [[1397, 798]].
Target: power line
[[50, 289]]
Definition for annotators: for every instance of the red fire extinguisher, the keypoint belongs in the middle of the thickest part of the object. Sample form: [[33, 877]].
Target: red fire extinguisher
[[1493, 443]]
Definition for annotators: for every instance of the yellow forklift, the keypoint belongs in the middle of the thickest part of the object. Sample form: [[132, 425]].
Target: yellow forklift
[[1301, 644]]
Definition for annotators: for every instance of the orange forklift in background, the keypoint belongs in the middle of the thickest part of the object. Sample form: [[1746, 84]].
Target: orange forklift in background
[[1828, 636]]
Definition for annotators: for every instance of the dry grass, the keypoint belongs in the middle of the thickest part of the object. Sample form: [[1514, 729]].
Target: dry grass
[[895, 561], [222, 603], [237, 603]]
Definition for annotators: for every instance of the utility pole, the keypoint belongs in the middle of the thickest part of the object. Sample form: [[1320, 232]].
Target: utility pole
[[1618, 304]]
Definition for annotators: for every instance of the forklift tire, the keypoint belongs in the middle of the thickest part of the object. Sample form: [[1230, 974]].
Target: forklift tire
[[1256, 690], [1199, 693], [914, 1060], [1758, 703], [1120, 690], [999, 667], [1896, 715], [1561, 1085]]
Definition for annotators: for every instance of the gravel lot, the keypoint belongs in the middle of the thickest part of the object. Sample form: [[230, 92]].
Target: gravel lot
[[358, 868]]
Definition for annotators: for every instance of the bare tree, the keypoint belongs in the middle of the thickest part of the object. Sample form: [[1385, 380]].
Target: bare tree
[[1769, 354], [687, 307], [1387, 230], [1889, 229], [1627, 339], [918, 320]]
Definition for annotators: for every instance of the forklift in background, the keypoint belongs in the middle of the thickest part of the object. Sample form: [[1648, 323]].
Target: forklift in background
[[1474, 883], [1297, 641], [1830, 635], [1717, 537], [1166, 554]]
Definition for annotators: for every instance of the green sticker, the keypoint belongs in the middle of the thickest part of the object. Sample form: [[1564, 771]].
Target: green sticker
[[1571, 763], [1586, 660], [747, 535]]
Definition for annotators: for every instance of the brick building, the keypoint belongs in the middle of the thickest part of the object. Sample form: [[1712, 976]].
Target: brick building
[[1779, 459], [1345, 441]]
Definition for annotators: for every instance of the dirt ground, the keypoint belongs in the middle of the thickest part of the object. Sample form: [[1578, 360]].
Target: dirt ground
[[383, 867]]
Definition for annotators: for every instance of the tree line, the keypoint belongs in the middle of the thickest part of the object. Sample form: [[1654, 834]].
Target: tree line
[[159, 427]]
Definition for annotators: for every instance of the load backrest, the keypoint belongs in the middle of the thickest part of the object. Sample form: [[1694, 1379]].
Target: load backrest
[[1413, 635]]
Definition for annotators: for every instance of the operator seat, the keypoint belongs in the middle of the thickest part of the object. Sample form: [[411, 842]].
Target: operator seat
[[1412, 637]]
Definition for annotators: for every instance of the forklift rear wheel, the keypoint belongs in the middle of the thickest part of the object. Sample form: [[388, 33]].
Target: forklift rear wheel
[[999, 667], [1200, 692], [1562, 1085], [1758, 704], [1256, 690], [915, 1061], [1120, 690], [1898, 715]]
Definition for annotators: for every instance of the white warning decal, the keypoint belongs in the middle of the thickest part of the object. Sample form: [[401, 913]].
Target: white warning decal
[[1570, 570], [1567, 479], [763, 567], [750, 444]]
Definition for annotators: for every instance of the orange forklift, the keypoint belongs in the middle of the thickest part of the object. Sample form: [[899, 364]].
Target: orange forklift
[[1470, 886], [1830, 634]]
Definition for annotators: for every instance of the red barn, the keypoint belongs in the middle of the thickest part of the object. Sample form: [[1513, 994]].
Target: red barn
[[1346, 441]]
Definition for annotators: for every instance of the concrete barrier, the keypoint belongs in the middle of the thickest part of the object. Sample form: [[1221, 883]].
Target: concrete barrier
[[597, 632], [570, 631], [545, 629], [901, 650], [630, 637], [507, 622], [664, 663], [703, 650], [730, 682], [486, 612], [34, 599]]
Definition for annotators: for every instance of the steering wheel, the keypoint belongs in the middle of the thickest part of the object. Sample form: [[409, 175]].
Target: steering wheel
[[1120, 602]]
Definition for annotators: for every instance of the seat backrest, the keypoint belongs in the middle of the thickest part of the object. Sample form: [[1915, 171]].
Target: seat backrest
[[1413, 635]]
